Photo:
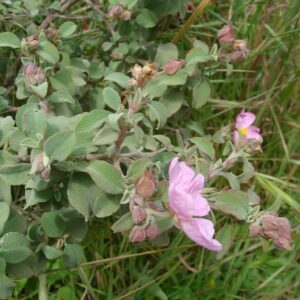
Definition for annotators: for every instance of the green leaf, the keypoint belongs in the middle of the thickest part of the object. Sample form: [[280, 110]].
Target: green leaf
[[15, 174], [72, 255], [14, 247], [137, 168], [232, 202], [6, 129], [165, 52], [225, 237], [146, 18], [60, 145], [124, 223], [160, 113], [40, 90], [6, 287], [111, 98], [82, 193], [172, 99], [34, 197], [51, 252], [2, 265], [92, 120], [34, 122], [66, 29], [106, 136], [61, 97], [105, 205], [204, 146], [53, 224], [119, 78], [201, 94], [48, 52], [197, 55], [4, 214], [9, 39], [179, 78], [106, 176]]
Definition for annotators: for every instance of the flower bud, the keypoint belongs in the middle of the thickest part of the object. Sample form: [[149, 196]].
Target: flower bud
[[152, 231], [52, 34], [126, 15], [117, 56], [149, 70], [225, 34], [33, 74], [139, 215], [145, 185], [137, 235], [32, 41], [254, 229], [115, 11], [172, 66], [40, 166]]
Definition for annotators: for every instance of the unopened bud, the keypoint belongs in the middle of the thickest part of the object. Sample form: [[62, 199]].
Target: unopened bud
[[225, 34], [254, 229], [145, 185], [115, 11], [52, 34], [139, 215], [33, 74], [137, 235], [40, 166], [172, 66], [149, 70], [32, 42], [126, 15], [152, 231]]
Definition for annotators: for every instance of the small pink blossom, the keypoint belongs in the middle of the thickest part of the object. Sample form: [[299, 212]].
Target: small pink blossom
[[244, 130], [186, 202]]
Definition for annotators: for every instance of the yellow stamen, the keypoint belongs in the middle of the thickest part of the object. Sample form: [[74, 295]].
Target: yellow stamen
[[244, 131]]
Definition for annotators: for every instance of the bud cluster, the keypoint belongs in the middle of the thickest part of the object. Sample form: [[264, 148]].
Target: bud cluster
[[274, 228], [145, 226], [118, 11], [141, 74], [231, 49]]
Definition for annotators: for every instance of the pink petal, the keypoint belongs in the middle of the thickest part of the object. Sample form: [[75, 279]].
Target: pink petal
[[197, 183], [253, 134], [187, 204], [180, 172], [244, 119], [201, 231]]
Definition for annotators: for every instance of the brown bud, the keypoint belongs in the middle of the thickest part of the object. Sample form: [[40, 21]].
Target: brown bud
[[40, 166], [152, 231], [126, 15], [149, 70], [52, 34], [137, 235], [172, 66], [145, 186], [139, 215], [115, 11], [32, 42], [225, 34], [278, 229], [33, 74]]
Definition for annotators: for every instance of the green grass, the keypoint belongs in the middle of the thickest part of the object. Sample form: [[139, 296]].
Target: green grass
[[268, 85]]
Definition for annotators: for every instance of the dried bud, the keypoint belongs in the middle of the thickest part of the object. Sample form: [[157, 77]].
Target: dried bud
[[32, 41], [40, 166], [126, 15], [172, 66], [225, 34], [33, 74], [117, 56], [145, 186], [149, 70], [132, 82], [115, 11], [137, 235], [152, 231], [137, 74], [139, 215], [52, 34]]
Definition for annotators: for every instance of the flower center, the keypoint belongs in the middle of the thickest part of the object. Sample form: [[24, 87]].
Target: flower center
[[244, 131]]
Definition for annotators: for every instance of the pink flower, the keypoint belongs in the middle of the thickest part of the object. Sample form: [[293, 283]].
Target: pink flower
[[186, 202], [244, 130]]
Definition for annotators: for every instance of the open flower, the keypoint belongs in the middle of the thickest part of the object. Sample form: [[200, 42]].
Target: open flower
[[244, 130], [188, 205]]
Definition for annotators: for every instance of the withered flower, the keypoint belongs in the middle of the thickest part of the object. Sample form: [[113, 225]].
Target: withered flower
[[33, 74]]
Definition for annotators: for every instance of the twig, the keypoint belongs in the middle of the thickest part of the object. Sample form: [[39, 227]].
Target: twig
[[50, 18], [190, 21]]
